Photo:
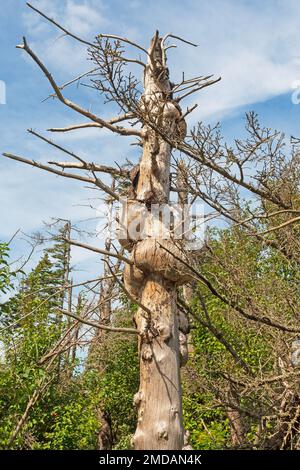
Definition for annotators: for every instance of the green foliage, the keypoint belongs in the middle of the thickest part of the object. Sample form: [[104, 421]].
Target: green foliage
[[31, 328], [113, 370], [66, 415], [105, 376], [208, 428], [5, 272]]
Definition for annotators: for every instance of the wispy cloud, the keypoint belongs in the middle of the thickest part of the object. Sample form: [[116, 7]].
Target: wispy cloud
[[85, 18], [253, 45]]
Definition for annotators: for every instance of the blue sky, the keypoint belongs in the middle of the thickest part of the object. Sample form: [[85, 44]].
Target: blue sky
[[253, 45]]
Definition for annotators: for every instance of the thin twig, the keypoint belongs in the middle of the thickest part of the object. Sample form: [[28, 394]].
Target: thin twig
[[117, 129]]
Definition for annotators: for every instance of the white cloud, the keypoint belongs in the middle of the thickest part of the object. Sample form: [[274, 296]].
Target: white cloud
[[84, 18], [253, 45]]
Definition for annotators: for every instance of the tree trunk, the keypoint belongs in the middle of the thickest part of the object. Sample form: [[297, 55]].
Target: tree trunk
[[154, 278], [237, 431], [159, 398], [105, 434]]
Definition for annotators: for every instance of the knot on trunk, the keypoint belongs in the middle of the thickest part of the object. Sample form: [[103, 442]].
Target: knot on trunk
[[134, 218], [172, 121], [183, 349], [133, 280], [163, 117], [161, 257], [162, 431]]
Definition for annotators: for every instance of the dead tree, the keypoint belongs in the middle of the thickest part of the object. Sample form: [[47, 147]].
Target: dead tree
[[154, 277], [154, 270]]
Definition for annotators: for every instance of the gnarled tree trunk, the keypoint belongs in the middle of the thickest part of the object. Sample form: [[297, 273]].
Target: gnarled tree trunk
[[154, 278]]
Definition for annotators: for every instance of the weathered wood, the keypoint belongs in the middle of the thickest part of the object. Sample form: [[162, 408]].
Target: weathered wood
[[155, 274], [159, 397]]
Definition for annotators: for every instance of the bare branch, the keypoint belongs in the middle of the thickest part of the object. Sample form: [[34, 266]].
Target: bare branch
[[74, 106], [91, 167], [201, 157], [125, 59], [61, 87], [48, 168], [123, 117], [99, 325], [75, 127], [98, 250], [188, 111], [68, 33], [94, 181]]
